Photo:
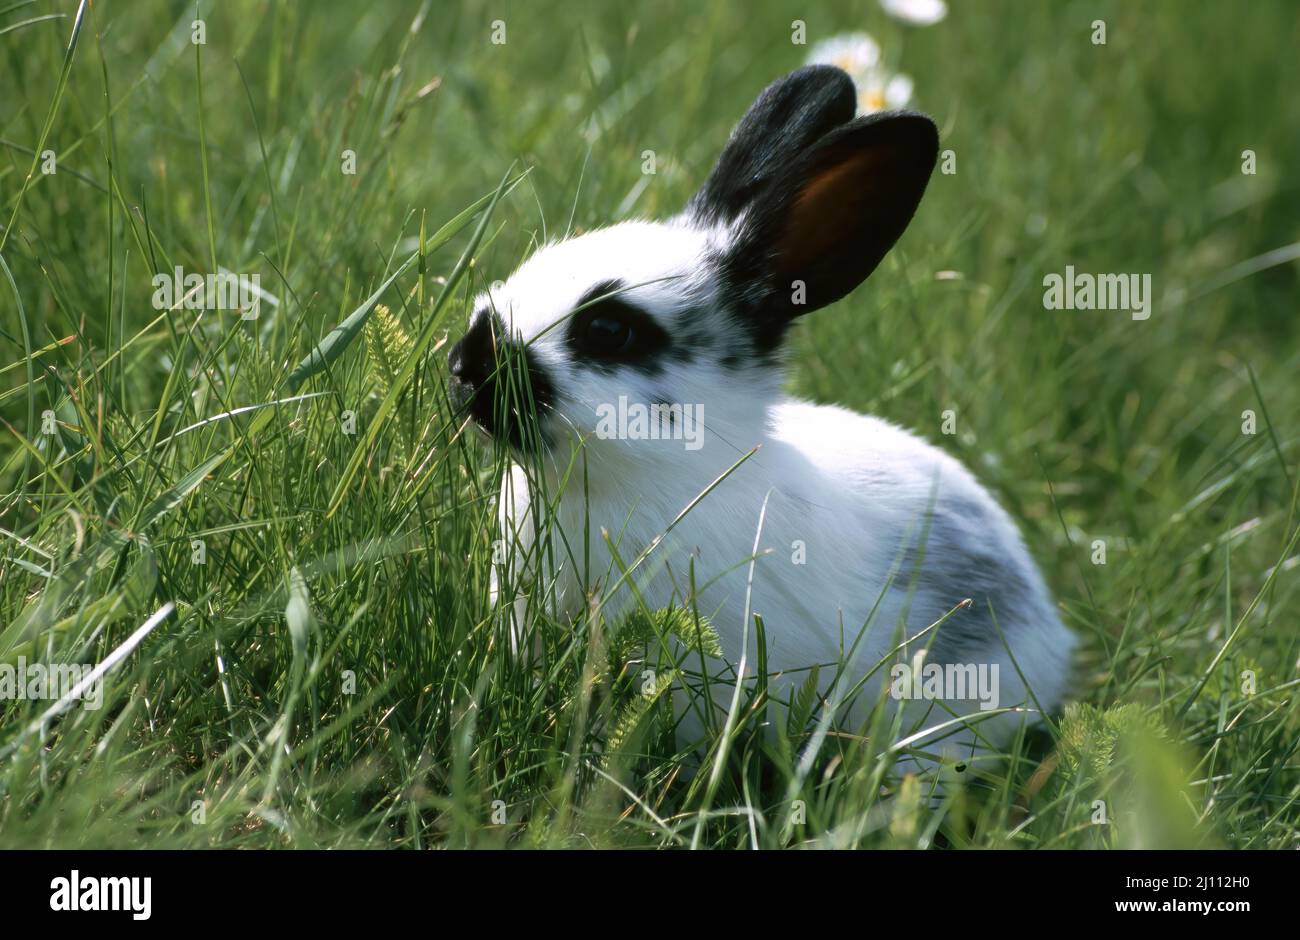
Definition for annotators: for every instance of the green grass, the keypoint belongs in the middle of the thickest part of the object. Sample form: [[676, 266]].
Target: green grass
[[334, 675]]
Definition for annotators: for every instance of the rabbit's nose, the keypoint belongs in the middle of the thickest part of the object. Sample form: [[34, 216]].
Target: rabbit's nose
[[456, 360], [467, 363]]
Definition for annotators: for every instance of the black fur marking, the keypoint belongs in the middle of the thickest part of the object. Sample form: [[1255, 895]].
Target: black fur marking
[[789, 116], [612, 286], [962, 559], [646, 344], [691, 335], [486, 369]]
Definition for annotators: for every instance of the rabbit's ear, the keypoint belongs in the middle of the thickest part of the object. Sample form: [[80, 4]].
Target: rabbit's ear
[[829, 217], [788, 117]]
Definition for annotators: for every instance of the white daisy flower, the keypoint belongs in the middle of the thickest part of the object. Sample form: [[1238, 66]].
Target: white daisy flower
[[880, 91], [916, 12], [859, 55], [855, 53]]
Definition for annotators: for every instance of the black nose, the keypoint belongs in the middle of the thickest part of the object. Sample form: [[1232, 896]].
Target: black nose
[[472, 360], [456, 360], [498, 382]]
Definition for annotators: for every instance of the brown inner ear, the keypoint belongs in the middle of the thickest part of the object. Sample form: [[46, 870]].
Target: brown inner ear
[[829, 210]]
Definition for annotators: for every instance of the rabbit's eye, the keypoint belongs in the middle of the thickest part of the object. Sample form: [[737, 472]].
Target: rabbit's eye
[[607, 336], [612, 332]]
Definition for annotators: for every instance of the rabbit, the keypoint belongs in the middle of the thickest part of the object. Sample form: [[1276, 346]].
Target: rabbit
[[850, 537]]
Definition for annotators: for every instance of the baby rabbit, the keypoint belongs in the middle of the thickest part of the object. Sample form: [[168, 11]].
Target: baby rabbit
[[848, 535]]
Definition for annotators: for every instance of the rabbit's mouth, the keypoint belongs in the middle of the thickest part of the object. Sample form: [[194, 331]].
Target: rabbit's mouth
[[499, 385]]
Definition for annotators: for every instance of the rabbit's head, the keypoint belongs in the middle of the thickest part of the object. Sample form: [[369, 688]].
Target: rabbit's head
[[802, 205]]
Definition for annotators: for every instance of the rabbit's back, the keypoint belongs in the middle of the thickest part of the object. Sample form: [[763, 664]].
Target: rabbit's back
[[938, 538]]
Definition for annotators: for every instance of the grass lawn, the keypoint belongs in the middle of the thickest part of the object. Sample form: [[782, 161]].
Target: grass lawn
[[285, 568]]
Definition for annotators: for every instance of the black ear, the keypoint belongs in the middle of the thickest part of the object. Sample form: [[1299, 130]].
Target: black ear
[[788, 117], [827, 218]]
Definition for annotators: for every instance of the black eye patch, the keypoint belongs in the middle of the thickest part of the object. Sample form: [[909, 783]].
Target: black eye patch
[[609, 331]]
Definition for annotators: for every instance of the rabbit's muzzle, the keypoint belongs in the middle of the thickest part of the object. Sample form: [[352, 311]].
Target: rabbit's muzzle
[[497, 382]]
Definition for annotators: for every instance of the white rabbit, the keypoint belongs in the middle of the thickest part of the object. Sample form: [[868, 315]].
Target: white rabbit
[[868, 535]]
